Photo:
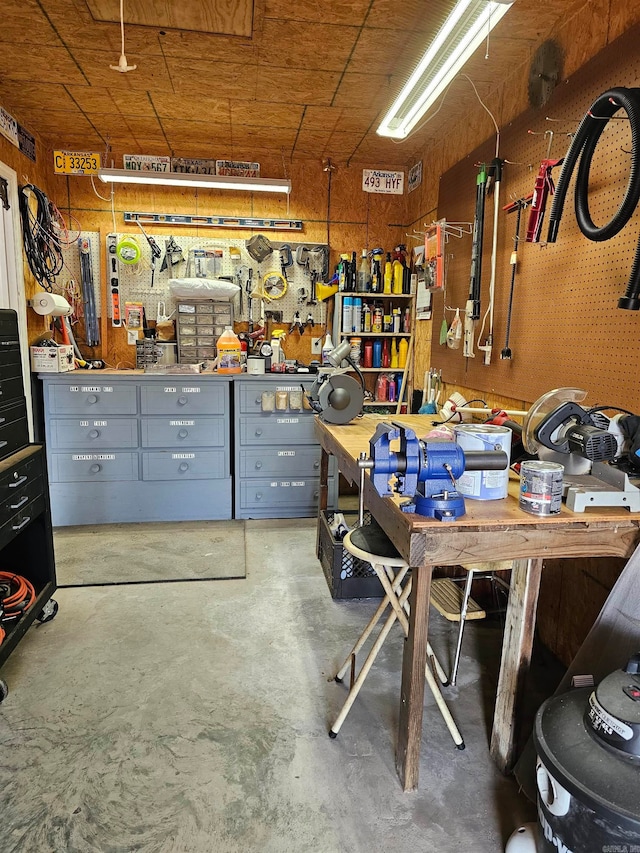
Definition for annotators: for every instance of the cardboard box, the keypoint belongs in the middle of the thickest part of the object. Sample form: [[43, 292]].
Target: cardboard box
[[57, 359]]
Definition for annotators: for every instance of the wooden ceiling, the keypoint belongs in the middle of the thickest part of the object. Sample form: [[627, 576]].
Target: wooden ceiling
[[235, 78]]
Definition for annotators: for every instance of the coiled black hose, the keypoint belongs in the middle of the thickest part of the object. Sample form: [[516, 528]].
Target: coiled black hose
[[41, 245], [582, 149]]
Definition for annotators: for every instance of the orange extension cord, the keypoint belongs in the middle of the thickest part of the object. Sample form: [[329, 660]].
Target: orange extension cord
[[18, 601]]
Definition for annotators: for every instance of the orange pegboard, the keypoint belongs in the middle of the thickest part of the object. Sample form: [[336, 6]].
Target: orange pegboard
[[566, 328]]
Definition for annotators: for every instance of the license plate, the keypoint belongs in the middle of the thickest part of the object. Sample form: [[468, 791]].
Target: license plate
[[75, 163]]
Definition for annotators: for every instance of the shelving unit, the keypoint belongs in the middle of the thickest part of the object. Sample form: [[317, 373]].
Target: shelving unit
[[388, 300]]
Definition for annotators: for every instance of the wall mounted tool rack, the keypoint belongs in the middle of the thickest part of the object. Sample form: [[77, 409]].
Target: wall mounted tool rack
[[214, 221]]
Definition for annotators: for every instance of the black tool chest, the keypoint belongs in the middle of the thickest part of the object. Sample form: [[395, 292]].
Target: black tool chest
[[26, 541]]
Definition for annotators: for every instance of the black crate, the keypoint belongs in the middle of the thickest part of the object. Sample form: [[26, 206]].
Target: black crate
[[346, 575]]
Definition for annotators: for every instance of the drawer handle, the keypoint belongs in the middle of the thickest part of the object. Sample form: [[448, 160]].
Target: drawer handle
[[92, 398], [316, 464], [3, 443], [183, 433], [94, 433], [183, 466], [95, 469], [2, 420], [258, 496], [258, 433], [22, 524], [258, 401], [316, 495], [18, 482], [182, 401], [20, 503], [258, 465]]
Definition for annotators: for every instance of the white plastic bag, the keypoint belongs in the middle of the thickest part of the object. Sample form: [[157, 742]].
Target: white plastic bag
[[202, 288]]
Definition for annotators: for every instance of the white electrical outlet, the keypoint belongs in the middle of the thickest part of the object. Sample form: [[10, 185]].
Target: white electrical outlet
[[316, 346]]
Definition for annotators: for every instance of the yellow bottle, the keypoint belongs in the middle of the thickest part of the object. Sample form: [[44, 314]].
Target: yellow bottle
[[388, 274], [398, 271], [395, 364], [403, 348], [229, 352]]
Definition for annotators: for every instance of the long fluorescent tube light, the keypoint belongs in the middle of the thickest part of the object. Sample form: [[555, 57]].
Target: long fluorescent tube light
[[457, 40], [178, 179]]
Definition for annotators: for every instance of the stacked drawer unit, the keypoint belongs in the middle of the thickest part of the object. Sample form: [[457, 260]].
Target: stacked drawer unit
[[14, 429], [277, 472], [138, 449], [199, 325]]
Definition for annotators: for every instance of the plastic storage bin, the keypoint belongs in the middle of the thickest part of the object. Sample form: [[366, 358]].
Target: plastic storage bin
[[346, 575]]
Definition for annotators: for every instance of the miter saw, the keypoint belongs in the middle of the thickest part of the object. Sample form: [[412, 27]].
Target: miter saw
[[335, 396], [425, 471], [586, 442]]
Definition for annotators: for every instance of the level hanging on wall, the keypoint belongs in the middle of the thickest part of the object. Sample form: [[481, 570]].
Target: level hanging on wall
[[215, 221]]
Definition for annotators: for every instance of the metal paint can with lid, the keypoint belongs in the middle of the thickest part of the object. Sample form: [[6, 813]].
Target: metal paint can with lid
[[541, 487], [483, 485]]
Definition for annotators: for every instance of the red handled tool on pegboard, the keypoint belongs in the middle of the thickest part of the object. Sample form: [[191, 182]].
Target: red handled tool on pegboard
[[544, 187]]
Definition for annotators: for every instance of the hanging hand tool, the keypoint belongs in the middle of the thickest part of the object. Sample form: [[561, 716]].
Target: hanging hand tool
[[472, 308], [250, 300], [286, 259], [544, 187], [519, 206], [172, 255], [296, 324], [310, 321], [494, 178], [156, 252]]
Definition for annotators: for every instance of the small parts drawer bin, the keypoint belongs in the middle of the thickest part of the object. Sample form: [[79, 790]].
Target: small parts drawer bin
[[197, 465], [169, 398], [101, 433], [101, 467], [103, 399]]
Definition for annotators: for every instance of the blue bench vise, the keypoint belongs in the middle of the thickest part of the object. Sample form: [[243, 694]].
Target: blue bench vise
[[425, 471]]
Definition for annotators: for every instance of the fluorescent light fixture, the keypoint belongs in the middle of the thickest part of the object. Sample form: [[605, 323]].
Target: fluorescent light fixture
[[457, 40], [179, 179]]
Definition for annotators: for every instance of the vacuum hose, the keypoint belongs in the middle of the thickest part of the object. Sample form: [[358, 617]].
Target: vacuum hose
[[582, 148]]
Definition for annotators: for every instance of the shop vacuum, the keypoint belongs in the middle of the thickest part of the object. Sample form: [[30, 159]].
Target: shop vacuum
[[588, 770]]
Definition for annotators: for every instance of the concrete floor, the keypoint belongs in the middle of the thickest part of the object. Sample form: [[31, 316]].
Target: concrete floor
[[188, 717]]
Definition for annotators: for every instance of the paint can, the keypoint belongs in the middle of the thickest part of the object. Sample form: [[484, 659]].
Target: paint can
[[541, 487], [483, 485]]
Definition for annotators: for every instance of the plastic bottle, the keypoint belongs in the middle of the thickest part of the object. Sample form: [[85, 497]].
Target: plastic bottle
[[397, 272], [356, 316], [377, 353], [388, 274], [343, 268], [347, 314], [403, 348], [376, 274], [376, 320], [366, 318], [367, 356], [406, 321], [353, 269], [387, 320], [391, 389], [396, 321], [393, 364], [229, 352], [356, 348], [277, 355], [327, 347], [364, 274], [386, 355]]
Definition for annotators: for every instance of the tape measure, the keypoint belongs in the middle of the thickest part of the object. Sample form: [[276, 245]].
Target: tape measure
[[128, 250]]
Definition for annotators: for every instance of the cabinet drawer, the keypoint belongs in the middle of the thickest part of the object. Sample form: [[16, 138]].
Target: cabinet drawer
[[250, 394], [101, 433], [16, 478], [11, 390], [92, 400], [85, 467], [14, 431], [266, 494], [167, 398], [185, 432], [25, 493], [278, 428], [20, 520], [184, 465], [275, 461]]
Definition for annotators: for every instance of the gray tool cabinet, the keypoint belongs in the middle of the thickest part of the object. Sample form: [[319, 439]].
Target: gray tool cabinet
[[277, 458], [137, 447]]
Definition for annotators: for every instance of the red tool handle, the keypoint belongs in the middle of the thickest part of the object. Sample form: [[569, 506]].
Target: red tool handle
[[544, 187]]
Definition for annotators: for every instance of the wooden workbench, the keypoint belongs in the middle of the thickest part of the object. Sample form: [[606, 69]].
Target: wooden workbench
[[490, 530]]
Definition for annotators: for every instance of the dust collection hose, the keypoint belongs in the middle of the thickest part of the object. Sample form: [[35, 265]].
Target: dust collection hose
[[582, 148]]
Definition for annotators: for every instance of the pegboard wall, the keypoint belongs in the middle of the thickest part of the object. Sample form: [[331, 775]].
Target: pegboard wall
[[233, 262], [566, 328]]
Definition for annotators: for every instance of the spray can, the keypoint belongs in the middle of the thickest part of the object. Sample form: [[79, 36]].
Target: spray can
[[376, 321], [347, 314], [356, 316]]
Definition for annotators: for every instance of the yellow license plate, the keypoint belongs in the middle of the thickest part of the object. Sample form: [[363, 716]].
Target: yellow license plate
[[75, 163]]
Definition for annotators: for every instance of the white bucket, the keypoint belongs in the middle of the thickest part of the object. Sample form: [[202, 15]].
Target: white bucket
[[484, 485]]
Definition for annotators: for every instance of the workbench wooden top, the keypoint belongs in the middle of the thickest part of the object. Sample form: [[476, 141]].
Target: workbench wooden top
[[600, 531]]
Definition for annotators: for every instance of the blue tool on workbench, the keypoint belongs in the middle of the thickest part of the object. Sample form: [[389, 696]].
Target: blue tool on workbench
[[425, 471]]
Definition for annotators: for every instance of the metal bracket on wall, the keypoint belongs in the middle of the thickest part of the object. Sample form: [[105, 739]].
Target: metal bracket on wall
[[4, 193], [215, 221]]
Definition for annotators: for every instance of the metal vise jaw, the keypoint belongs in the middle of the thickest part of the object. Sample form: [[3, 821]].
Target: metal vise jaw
[[405, 464]]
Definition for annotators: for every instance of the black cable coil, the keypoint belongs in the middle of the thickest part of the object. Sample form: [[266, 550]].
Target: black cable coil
[[41, 245], [582, 149]]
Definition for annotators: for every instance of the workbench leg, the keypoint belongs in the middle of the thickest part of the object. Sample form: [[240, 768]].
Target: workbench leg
[[516, 658], [324, 481], [412, 691]]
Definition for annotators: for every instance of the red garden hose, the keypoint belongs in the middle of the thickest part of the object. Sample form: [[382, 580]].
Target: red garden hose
[[16, 596]]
